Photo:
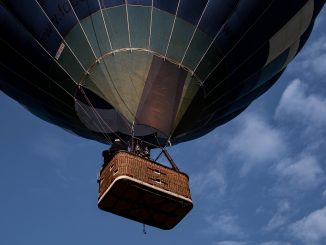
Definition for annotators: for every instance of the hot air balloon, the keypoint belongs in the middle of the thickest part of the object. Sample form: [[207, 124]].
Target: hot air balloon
[[152, 72]]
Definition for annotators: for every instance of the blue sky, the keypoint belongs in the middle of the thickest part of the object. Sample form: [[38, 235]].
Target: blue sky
[[260, 179]]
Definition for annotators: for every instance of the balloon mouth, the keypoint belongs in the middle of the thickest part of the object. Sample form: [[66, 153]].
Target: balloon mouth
[[101, 117], [148, 51], [135, 89]]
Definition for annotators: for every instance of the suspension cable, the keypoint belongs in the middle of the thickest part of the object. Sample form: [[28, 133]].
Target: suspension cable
[[172, 29], [194, 32], [104, 22], [73, 10], [45, 74]]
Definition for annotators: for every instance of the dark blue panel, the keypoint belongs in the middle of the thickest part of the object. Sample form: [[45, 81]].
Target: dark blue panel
[[238, 71], [38, 26], [242, 86], [140, 2], [12, 32], [111, 3], [238, 39], [243, 18], [84, 8], [191, 10], [18, 45], [244, 100], [215, 15], [30, 69], [60, 13], [252, 17], [166, 5]]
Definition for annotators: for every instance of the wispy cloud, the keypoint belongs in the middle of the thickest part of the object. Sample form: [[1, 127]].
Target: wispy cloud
[[324, 194], [280, 217], [296, 103], [304, 173], [311, 229], [210, 182], [256, 142], [275, 243], [312, 61], [275, 222], [224, 224], [306, 112], [230, 243]]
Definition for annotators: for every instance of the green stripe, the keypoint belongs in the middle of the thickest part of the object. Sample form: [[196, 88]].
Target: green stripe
[[180, 39], [161, 28]]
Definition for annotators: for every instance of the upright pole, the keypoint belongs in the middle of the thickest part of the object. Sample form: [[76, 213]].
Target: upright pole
[[167, 155]]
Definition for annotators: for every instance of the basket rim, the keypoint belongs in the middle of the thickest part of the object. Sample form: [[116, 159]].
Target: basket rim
[[189, 200], [121, 152]]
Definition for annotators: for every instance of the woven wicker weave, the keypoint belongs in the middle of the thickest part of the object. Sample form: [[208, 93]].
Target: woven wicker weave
[[142, 190]]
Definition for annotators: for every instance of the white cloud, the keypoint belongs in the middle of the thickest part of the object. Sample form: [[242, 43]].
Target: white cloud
[[212, 181], [279, 218], [324, 194], [226, 224], [259, 210], [305, 173], [275, 243], [230, 243], [296, 103], [312, 61], [256, 142], [311, 229], [275, 222], [283, 206]]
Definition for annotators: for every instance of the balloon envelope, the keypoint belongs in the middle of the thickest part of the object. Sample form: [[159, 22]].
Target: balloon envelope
[[159, 70]]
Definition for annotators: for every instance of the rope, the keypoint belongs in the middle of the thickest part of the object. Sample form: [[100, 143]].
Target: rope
[[98, 116], [51, 79], [128, 23], [244, 34], [64, 41], [106, 29], [111, 79], [54, 58], [175, 17], [217, 34], [193, 34], [150, 26], [73, 10]]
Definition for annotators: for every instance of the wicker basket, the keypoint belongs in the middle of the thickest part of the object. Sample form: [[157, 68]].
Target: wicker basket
[[144, 191]]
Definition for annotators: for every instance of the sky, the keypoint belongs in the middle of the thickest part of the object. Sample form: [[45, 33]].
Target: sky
[[259, 179]]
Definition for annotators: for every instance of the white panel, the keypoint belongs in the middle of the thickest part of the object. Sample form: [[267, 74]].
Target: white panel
[[291, 32]]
